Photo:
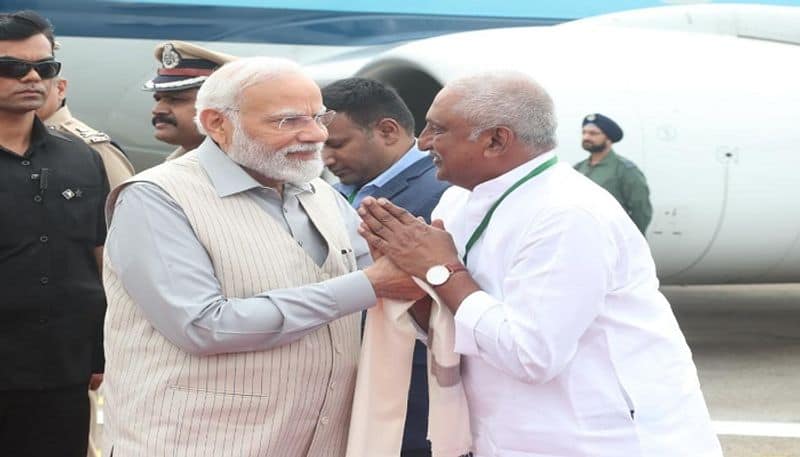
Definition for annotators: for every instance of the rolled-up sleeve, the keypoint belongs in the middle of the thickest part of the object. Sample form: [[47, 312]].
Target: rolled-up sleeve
[[555, 288], [167, 272]]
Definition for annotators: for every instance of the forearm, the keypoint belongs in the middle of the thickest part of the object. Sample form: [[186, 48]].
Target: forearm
[[641, 213], [263, 322], [167, 272], [638, 203]]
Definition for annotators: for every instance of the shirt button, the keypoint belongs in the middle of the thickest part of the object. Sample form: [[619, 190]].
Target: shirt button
[[324, 420], [333, 385], [37, 198], [43, 238], [44, 280], [25, 163], [337, 349]]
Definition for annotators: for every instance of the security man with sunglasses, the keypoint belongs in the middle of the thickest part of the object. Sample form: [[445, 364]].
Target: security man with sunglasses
[[52, 190]]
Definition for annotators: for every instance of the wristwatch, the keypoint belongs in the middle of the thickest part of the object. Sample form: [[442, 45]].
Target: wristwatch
[[439, 274]]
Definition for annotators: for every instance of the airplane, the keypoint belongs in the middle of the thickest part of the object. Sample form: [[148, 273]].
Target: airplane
[[707, 94]]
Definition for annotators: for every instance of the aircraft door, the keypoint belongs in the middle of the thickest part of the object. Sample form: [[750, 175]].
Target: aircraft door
[[687, 183], [758, 229]]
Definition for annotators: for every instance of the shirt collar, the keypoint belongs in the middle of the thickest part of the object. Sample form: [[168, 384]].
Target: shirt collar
[[495, 187], [229, 178], [409, 158], [38, 133], [605, 160]]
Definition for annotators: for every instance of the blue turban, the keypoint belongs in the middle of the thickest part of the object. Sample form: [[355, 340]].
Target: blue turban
[[609, 127]]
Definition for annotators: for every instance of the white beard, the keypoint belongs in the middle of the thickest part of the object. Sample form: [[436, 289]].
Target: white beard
[[272, 164]]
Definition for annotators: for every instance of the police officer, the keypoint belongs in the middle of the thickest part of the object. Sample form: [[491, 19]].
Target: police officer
[[52, 194], [55, 113], [616, 174], [184, 67]]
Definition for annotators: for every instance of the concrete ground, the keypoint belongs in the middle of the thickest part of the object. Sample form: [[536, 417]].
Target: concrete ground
[[746, 344]]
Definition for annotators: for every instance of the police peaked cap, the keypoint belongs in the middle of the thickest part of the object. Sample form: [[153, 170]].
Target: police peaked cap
[[609, 127], [184, 66]]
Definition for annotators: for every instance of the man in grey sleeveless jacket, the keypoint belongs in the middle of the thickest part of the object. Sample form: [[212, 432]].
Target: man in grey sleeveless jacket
[[233, 283]]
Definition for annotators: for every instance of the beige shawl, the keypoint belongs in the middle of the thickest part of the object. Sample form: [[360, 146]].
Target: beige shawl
[[384, 373]]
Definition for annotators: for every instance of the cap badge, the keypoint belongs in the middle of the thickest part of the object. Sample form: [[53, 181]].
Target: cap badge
[[170, 57], [591, 118]]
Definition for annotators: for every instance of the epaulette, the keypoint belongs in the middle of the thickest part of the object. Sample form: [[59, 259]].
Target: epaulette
[[86, 133], [54, 131]]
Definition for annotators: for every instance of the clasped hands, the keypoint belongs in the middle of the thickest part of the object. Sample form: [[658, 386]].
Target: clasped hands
[[402, 246]]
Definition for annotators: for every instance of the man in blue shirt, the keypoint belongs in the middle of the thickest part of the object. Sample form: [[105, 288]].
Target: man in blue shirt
[[372, 149]]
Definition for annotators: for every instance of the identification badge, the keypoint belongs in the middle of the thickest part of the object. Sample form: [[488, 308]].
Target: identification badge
[[69, 194]]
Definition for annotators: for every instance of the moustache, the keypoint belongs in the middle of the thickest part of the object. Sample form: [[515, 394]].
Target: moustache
[[304, 147], [164, 119], [37, 89]]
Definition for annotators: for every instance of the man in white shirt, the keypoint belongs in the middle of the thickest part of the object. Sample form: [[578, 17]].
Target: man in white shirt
[[568, 347]]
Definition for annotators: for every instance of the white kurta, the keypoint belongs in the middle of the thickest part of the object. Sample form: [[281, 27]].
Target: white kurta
[[570, 333]]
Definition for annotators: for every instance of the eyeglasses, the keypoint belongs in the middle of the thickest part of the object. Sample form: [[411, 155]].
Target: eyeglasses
[[15, 68], [299, 122]]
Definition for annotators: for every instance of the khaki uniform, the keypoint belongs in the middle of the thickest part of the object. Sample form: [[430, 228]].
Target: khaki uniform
[[622, 179], [117, 166]]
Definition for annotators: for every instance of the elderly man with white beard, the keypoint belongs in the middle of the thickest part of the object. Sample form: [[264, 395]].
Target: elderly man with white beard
[[233, 283]]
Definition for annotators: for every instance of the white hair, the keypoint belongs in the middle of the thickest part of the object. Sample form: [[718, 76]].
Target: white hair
[[511, 99], [223, 89]]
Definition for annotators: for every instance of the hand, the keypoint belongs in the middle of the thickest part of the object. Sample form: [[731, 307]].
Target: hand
[[392, 282], [95, 381], [411, 244]]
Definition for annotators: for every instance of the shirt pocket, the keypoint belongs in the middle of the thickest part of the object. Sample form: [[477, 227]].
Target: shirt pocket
[[80, 211], [195, 415]]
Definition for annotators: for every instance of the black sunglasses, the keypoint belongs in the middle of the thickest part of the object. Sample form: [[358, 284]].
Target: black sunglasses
[[15, 68]]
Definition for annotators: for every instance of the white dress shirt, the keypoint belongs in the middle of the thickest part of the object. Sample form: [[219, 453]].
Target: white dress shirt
[[569, 349]]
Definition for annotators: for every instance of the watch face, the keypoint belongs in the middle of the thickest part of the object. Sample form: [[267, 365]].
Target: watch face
[[437, 275]]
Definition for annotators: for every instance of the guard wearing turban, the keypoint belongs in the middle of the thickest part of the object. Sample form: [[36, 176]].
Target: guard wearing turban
[[616, 174]]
